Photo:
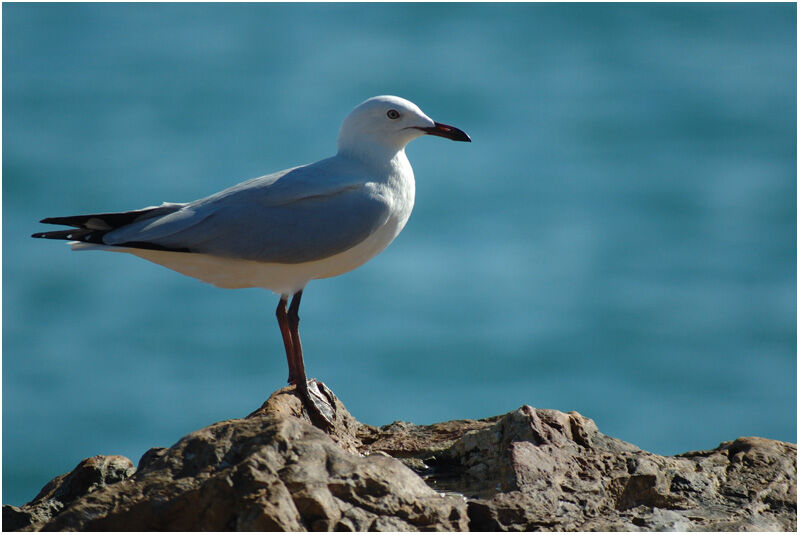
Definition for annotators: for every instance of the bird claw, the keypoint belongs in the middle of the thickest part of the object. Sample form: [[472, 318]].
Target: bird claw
[[320, 404]]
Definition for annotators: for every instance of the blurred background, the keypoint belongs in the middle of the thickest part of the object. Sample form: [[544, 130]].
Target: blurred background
[[619, 239]]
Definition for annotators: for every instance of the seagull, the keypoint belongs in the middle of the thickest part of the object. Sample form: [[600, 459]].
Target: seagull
[[282, 230]]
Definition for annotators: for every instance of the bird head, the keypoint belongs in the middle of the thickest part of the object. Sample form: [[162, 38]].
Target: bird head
[[389, 123]]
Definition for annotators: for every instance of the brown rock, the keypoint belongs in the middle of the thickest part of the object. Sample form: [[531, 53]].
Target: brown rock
[[531, 469], [270, 471], [538, 469], [90, 475], [346, 430]]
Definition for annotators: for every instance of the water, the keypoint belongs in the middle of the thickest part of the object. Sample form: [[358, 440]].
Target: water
[[619, 238]]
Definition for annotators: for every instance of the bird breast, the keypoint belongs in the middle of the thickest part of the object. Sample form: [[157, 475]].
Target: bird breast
[[400, 189], [397, 190]]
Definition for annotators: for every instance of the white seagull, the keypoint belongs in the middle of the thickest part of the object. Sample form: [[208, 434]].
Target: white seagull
[[282, 230]]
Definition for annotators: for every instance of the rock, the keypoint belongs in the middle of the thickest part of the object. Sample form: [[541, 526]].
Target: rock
[[531, 469], [270, 471], [539, 469], [346, 430], [90, 475]]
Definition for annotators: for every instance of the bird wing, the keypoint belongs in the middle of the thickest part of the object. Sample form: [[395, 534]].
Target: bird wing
[[299, 215]]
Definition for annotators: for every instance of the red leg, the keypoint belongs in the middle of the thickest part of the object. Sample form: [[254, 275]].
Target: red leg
[[297, 367], [320, 409], [283, 323]]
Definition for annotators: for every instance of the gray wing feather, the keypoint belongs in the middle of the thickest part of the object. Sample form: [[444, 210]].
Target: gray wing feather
[[289, 217]]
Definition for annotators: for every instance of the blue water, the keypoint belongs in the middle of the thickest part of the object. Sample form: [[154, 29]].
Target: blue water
[[619, 239]]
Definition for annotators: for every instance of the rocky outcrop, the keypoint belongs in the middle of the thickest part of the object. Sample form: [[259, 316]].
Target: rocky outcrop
[[530, 469]]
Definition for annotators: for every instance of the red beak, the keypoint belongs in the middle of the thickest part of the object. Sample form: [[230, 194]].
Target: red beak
[[445, 130]]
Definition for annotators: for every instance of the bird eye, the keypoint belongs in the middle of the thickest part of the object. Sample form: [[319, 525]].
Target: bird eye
[[392, 114]]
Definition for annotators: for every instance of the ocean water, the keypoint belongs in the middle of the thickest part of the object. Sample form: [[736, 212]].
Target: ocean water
[[619, 239]]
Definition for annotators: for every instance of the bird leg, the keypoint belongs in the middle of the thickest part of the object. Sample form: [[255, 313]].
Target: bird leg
[[320, 409], [283, 323]]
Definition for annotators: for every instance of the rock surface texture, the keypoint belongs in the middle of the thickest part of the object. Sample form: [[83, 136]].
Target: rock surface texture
[[530, 469]]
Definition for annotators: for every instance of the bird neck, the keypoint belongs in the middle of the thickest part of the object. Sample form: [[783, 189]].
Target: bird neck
[[377, 156]]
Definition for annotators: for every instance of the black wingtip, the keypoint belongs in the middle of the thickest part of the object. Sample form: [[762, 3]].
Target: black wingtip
[[45, 234]]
